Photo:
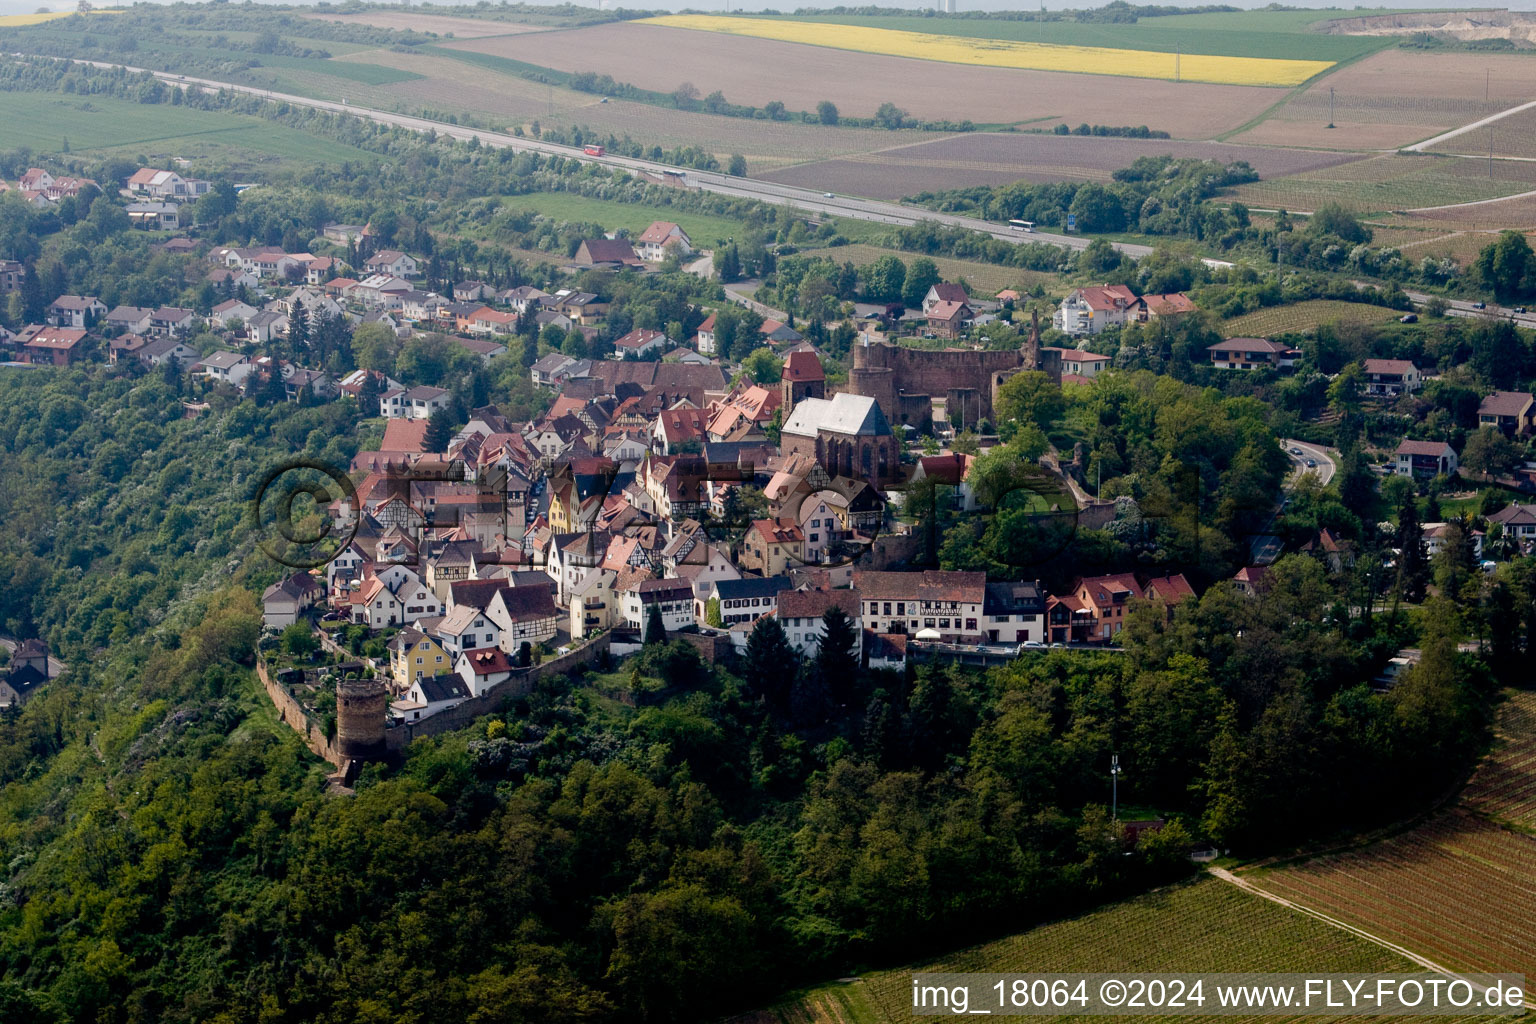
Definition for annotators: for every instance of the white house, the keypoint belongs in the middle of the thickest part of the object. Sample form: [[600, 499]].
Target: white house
[[282, 603], [742, 600], [673, 597], [523, 614], [466, 628], [392, 262], [380, 291], [75, 311], [167, 185], [592, 603], [1013, 613], [704, 340], [944, 292], [417, 403], [232, 309], [800, 613], [662, 236], [483, 669], [1092, 310], [638, 342], [129, 319], [1424, 459], [1392, 377], [431, 694], [394, 596], [228, 367]]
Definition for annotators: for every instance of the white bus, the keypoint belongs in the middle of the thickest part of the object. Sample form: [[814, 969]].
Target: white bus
[[1022, 225]]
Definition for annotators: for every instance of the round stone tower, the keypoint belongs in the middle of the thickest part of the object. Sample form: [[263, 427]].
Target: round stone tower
[[361, 707], [872, 376]]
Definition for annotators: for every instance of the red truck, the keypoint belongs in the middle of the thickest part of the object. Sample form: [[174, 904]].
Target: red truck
[[592, 150]]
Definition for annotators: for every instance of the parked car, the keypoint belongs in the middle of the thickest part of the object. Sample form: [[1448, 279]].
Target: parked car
[[1519, 309], [1408, 318], [1031, 645], [1479, 305]]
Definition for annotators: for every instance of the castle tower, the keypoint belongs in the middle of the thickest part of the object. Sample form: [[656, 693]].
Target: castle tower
[[361, 707], [1031, 352]]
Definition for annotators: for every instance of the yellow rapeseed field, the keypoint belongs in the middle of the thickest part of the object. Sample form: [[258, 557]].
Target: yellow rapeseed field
[[1004, 53], [17, 20]]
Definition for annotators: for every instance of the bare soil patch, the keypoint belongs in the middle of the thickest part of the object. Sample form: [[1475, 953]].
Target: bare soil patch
[[507, 100], [1466, 26], [439, 24], [998, 158], [756, 71], [1396, 97]]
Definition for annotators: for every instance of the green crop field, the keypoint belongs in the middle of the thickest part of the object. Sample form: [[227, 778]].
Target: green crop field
[[1242, 34], [986, 278], [42, 121], [704, 229], [1305, 316], [1204, 926], [154, 52]]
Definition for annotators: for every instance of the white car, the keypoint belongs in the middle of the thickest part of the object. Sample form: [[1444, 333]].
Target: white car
[[1032, 645]]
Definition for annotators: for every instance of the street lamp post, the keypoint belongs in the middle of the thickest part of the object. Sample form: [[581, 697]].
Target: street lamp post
[[1114, 783]]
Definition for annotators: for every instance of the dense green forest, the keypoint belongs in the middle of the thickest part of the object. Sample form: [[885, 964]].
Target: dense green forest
[[171, 854]]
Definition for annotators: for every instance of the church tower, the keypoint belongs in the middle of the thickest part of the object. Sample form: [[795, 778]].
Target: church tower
[[802, 378]]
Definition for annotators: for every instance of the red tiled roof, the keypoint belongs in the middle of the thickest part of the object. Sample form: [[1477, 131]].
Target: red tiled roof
[[778, 531], [802, 366], [402, 435]]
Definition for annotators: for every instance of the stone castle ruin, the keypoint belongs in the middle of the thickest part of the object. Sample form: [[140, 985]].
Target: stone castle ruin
[[905, 382]]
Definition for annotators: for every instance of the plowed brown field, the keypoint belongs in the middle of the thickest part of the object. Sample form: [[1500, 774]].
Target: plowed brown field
[[1397, 97], [999, 158], [756, 71]]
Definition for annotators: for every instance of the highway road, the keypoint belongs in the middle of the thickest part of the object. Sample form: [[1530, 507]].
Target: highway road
[[1461, 307], [809, 200]]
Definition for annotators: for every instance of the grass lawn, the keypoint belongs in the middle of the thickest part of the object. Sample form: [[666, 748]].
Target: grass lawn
[[1472, 503], [1203, 926], [1305, 316], [43, 121], [986, 278], [705, 229]]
